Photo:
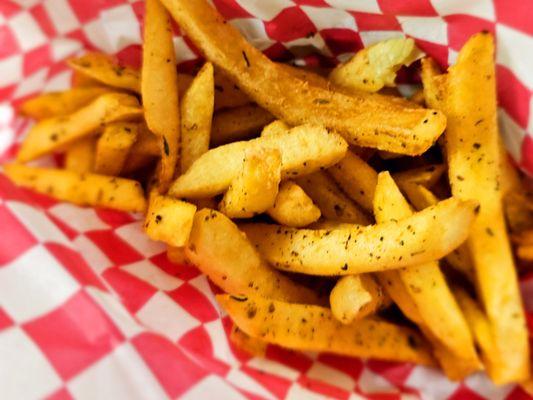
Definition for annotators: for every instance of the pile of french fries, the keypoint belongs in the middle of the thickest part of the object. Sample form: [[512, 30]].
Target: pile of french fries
[[258, 173]]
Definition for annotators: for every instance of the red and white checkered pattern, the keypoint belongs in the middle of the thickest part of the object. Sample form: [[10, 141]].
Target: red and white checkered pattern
[[90, 308]]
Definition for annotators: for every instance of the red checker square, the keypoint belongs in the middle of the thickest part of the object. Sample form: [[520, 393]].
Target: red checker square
[[5, 320], [293, 359], [513, 95], [194, 302], [230, 9], [329, 391], [130, 56], [172, 368], [517, 14], [437, 51], [88, 10], [383, 396], [36, 59], [200, 349], [75, 335], [273, 383], [422, 8], [527, 157], [314, 3], [9, 42], [518, 394], [67, 230], [181, 271], [114, 218], [61, 394], [6, 93], [16, 238], [350, 366], [133, 292], [342, 40], [465, 393], [376, 22], [278, 52], [396, 373], [11, 192], [43, 19], [57, 68], [461, 27], [290, 24], [80, 36], [116, 249], [9, 8]]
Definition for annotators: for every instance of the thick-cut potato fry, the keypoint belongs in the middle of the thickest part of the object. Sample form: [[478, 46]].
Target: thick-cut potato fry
[[57, 104], [359, 118], [254, 190], [434, 84], [227, 93], [79, 157], [277, 127], [196, 116], [425, 283], [79, 79], [253, 346], [105, 69], [239, 123], [82, 189], [313, 328], [331, 201], [328, 224], [426, 176], [474, 161], [56, 133], [425, 236], [525, 252], [418, 97], [177, 255], [375, 66], [304, 149], [113, 146], [293, 207], [147, 143], [356, 178], [159, 88], [355, 297], [222, 252], [169, 220], [137, 161]]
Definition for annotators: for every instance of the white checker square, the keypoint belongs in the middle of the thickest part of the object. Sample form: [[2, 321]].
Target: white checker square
[[243, 381], [513, 49], [211, 384], [202, 284], [512, 134], [482, 385], [297, 392], [61, 15], [304, 46], [452, 56], [155, 276], [34, 284], [432, 384], [253, 30], [12, 69], [324, 18], [27, 31], [120, 375], [431, 29], [371, 37], [134, 235], [92, 255], [265, 10], [60, 81], [368, 6], [81, 219], [64, 47], [25, 373], [31, 84], [166, 317], [369, 382], [479, 8], [218, 337], [121, 27], [274, 368], [182, 50], [324, 373], [95, 32]]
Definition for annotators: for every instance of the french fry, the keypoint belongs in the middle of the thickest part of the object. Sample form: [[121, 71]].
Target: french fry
[[313, 328], [254, 190], [169, 220], [328, 224], [147, 143], [331, 201], [79, 157], [239, 123], [426, 176], [105, 69], [278, 127], [113, 146], [196, 116], [248, 344], [57, 104], [159, 89], [57, 133], [375, 66], [79, 79], [418, 97], [423, 237], [525, 252], [81, 189], [293, 207], [177, 255], [222, 252], [434, 83], [227, 93], [303, 149], [356, 117]]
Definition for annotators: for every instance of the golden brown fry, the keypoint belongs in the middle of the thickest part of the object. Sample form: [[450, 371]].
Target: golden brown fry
[[196, 116], [278, 127], [147, 143], [222, 252], [253, 346], [239, 123], [159, 88], [425, 236], [525, 252], [418, 97], [177, 255], [81, 189], [434, 84], [360, 119], [113, 146], [79, 79], [56, 133], [293, 207], [227, 93], [426, 176], [79, 157], [313, 328]]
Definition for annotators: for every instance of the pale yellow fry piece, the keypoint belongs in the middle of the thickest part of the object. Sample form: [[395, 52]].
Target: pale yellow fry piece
[[169, 220], [425, 236], [253, 346], [227, 93], [313, 328], [425, 283], [356, 178], [222, 252], [113, 146], [239, 123], [105, 69], [328, 224], [56, 133], [254, 190], [275, 128], [375, 66], [177, 255], [293, 207], [331, 201], [196, 116], [57, 104], [81, 189], [361, 119], [426, 176], [304, 149], [474, 166], [79, 157], [159, 88], [354, 297]]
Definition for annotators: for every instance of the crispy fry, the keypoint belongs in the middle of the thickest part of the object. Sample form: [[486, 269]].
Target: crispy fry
[[278, 127], [253, 346], [434, 84], [227, 93], [79, 79], [328, 224], [426, 176], [113, 146], [177, 255], [82, 189], [56, 133], [403, 130], [293, 207], [313, 328], [425, 236], [196, 116], [303, 149], [239, 123], [147, 143], [222, 252], [79, 157]]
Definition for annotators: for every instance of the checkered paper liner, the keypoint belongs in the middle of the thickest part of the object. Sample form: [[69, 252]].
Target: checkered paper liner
[[91, 308]]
